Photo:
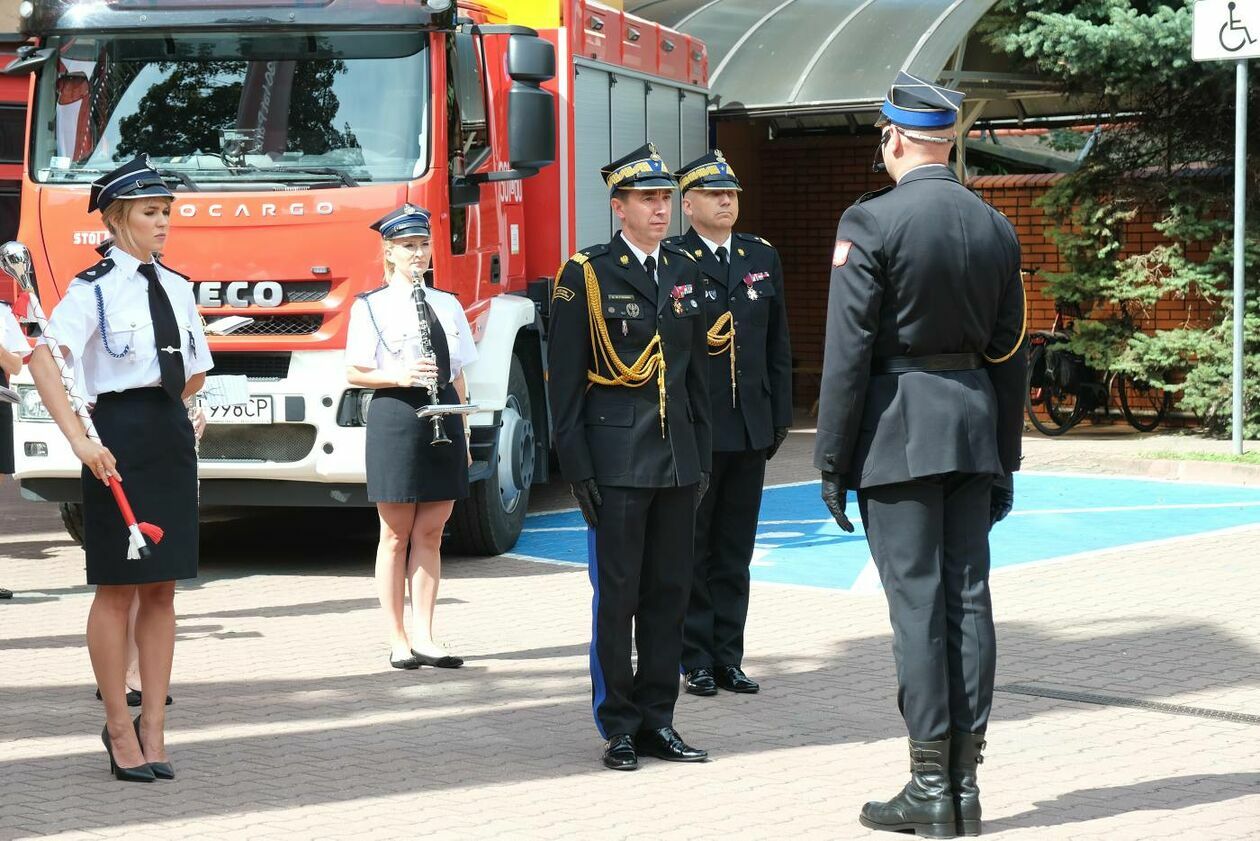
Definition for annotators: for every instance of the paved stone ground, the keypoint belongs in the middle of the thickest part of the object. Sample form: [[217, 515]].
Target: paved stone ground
[[288, 723]]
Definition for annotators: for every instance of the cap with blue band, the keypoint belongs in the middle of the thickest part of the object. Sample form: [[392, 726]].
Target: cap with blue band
[[406, 221], [917, 103], [133, 180]]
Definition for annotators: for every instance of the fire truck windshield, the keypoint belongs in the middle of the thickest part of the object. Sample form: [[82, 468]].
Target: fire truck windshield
[[239, 111]]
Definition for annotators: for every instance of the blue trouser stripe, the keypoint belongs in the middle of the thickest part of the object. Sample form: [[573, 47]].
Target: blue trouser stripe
[[599, 689]]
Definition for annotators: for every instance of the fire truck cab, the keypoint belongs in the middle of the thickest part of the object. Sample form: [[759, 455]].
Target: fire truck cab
[[285, 129]]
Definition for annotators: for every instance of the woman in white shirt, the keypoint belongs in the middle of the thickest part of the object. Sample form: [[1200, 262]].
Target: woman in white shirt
[[413, 481], [130, 326], [13, 349]]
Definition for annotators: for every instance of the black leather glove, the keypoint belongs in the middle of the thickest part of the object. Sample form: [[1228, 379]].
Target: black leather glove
[[780, 435], [586, 492], [1001, 499], [833, 495], [702, 487]]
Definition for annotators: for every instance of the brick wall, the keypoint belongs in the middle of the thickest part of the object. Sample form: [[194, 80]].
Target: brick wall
[[796, 189]]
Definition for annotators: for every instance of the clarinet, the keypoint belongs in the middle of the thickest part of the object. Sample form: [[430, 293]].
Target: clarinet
[[426, 350]]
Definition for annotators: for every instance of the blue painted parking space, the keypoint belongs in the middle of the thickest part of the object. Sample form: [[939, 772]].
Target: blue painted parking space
[[1055, 516]]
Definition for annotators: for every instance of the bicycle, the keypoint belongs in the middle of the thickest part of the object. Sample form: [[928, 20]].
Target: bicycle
[[1063, 389]]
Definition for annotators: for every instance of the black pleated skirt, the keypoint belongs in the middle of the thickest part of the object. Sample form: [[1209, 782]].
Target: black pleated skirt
[[402, 463], [152, 441], [6, 434]]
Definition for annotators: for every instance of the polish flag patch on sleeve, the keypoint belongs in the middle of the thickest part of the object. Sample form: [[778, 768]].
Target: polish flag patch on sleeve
[[841, 255]]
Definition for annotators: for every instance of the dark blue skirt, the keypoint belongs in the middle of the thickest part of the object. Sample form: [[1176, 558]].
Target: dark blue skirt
[[402, 463]]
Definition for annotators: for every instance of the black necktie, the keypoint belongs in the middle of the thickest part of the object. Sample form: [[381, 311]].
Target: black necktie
[[165, 334], [721, 254], [649, 266]]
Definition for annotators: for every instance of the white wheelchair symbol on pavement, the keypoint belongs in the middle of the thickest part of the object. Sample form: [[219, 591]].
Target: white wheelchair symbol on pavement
[[1234, 25]]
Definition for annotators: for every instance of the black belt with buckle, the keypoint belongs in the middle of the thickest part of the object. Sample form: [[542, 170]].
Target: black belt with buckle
[[938, 362]]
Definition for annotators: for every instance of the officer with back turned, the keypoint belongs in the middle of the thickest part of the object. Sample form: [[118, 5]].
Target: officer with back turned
[[629, 405], [750, 392], [921, 413]]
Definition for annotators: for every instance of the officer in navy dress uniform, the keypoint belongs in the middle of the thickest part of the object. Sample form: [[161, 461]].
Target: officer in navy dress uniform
[[921, 413], [130, 325], [413, 475], [750, 391], [627, 362]]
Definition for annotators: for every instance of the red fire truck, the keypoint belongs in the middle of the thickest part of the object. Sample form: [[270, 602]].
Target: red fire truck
[[286, 127]]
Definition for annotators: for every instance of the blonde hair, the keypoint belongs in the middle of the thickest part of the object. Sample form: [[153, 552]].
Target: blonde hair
[[117, 219]]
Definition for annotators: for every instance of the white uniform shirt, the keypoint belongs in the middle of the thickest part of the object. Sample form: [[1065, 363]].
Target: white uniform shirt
[[642, 255], [714, 246], [384, 329], [12, 338], [76, 326]]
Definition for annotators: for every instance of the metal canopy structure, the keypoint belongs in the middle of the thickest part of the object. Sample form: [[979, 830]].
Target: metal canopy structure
[[819, 62]]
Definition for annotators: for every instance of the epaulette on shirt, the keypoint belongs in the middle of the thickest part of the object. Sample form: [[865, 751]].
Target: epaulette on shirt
[[676, 248], [752, 238], [874, 194], [169, 269], [587, 253], [372, 291], [95, 273]]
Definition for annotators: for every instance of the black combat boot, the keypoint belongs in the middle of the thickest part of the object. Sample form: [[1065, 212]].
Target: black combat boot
[[964, 756], [925, 806]]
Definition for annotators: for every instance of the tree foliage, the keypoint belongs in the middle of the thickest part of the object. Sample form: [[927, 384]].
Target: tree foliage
[[1165, 151]]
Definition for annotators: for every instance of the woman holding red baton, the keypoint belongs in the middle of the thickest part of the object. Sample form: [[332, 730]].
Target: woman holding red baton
[[131, 324]]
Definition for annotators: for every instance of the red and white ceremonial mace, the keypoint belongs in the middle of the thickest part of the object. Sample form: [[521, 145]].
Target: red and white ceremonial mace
[[15, 260]]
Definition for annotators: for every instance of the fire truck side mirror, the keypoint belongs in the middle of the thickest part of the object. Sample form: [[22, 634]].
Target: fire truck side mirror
[[531, 110], [29, 60]]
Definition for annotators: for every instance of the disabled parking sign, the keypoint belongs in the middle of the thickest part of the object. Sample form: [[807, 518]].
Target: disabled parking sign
[[1226, 30]]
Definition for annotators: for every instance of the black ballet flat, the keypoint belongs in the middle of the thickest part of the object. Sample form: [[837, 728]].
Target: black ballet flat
[[135, 698], [161, 770], [409, 663], [138, 774], [444, 662]]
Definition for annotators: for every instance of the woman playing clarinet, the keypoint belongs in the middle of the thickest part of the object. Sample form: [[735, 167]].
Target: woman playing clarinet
[[130, 325], [407, 341]]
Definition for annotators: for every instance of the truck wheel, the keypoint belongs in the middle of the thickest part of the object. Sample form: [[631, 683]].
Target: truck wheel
[[490, 520], [72, 518]]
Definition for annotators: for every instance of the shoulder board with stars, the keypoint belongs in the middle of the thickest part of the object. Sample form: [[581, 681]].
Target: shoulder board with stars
[[873, 194], [752, 238], [372, 291], [169, 269], [95, 273], [583, 256]]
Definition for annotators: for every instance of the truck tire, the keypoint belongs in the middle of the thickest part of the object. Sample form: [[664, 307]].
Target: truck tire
[[72, 519], [490, 520]]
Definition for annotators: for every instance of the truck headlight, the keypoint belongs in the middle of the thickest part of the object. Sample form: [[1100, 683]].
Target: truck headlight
[[31, 408]]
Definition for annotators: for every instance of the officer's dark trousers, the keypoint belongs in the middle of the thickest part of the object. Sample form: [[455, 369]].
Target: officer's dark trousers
[[726, 526], [640, 568], [930, 541]]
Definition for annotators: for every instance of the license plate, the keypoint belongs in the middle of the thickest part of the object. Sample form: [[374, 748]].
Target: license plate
[[257, 409]]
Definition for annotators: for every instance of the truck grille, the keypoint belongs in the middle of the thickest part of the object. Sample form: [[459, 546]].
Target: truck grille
[[281, 325], [285, 442], [256, 366], [306, 291]]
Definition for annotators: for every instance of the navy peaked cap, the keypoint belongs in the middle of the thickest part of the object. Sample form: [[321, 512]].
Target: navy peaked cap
[[917, 103], [642, 169], [710, 171], [406, 221], [133, 180]]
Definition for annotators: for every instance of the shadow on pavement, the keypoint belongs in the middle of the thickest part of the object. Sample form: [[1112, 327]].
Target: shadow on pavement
[[314, 740]]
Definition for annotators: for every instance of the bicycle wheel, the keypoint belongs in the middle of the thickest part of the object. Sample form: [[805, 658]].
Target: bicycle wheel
[[1144, 405], [1051, 410]]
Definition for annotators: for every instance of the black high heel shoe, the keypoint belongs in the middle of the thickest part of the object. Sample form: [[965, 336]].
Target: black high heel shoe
[[161, 770], [139, 774], [135, 698]]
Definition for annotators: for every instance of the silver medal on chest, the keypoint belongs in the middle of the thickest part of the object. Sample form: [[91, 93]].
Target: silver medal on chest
[[752, 294]]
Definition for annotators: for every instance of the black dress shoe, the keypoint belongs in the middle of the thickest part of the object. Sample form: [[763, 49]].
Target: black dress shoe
[[138, 774], [447, 661], [5, 594], [161, 770], [733, 679], [700, 682], [619, 753], [665, 743], [135, 698], [411, 662]]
